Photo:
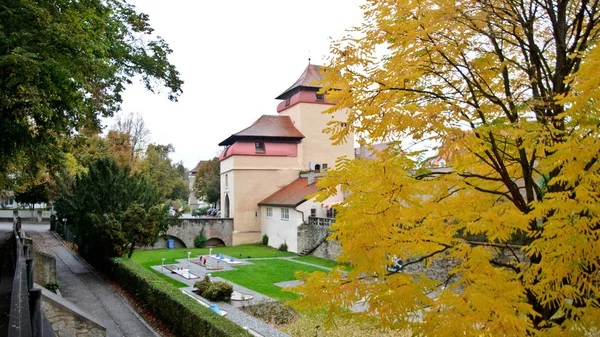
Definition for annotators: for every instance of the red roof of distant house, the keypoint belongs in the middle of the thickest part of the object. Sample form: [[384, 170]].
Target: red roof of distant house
[[291, 195], [311, 74], [267, 126], [195, 169]]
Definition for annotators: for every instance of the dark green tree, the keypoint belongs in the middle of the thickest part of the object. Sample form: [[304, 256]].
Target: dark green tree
[[65, 63], [207, 184], [33, 194], [96, 205]]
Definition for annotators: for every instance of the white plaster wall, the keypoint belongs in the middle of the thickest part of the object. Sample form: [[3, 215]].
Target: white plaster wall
[[280, 231], [319, 206]]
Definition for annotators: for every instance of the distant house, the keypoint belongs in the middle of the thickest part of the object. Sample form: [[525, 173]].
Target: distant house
[[369, 152], [262, 189], [283, 211], [192, 200]]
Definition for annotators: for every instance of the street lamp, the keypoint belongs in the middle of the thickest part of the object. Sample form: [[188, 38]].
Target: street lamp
[[162, 266]]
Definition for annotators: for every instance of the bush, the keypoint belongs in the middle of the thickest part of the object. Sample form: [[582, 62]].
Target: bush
[[265, 239], [218, 291], [200, 211], [283, 247], [203, 285], [200, 240], [52, 286], [180, 312], [214, 291]]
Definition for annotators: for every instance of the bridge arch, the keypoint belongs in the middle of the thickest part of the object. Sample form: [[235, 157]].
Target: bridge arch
[[162, 242], [214, 242]]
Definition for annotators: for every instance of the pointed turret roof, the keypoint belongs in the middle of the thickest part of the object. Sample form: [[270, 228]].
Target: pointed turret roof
[[267, 126], [311, 74]]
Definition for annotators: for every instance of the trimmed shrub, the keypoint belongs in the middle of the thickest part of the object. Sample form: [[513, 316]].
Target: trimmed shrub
[[283, 247], [218, 291], [265, 239], [200, 240], [203, 285], [214, 291], [180, 312]]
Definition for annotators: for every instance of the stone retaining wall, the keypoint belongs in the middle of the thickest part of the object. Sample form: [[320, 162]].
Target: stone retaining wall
[[44, 270], [68, 320]]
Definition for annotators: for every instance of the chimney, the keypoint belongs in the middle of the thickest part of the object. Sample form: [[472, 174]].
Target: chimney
[[311, 177]]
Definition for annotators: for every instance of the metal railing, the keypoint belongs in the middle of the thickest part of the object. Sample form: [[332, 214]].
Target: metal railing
[[26, 316], [325, 222]]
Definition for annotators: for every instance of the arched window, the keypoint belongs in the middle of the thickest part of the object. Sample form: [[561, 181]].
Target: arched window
[[317, 168]]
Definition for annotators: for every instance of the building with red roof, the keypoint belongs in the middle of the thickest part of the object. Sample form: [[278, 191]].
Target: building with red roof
[[261, 186]]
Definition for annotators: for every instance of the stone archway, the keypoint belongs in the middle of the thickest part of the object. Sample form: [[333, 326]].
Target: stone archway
[[214, 242], [162, 242], [226, 213]]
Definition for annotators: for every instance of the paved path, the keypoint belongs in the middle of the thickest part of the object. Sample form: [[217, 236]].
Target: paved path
[[82, 287]]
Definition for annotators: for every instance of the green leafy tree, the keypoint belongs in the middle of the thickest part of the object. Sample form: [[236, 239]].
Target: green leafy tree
[[139, 226], [207, 185], [170, 180], [65, 63], [33, 194], [96, 204]]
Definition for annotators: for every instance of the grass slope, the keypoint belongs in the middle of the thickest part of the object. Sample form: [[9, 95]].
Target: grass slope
[[261, 274], [148, 258]]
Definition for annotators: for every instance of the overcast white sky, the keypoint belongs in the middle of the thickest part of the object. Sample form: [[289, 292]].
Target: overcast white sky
[[235, 58]]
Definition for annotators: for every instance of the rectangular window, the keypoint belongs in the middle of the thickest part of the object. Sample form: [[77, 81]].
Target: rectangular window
[[285, 214], [269, 212], [260, 147], [319, 97], [324, 166], [331, 213], [313, 212], [287, 102]]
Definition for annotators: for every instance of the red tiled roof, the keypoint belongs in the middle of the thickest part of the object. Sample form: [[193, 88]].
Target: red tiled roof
[[195, 169], [267, 126], [291, 195], [311, 74]]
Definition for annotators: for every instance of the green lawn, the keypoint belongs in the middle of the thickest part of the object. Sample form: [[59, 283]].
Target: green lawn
[[148, 258], [261, 274], [318, 261]]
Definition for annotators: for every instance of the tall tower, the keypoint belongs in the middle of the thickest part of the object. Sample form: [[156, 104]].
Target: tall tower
[[269, 154], [305, 106]]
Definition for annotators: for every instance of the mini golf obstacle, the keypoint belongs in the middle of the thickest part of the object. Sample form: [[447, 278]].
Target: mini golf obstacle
[[223, 258], [185, 273], [212, 307]]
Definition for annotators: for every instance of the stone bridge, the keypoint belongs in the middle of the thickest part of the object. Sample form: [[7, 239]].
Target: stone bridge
[[217, 231]]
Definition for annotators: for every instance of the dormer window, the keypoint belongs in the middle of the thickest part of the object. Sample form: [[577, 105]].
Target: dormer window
[[320, 97], [259, 147]]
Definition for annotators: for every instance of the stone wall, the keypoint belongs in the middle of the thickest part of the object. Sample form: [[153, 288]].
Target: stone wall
[[44, 270], [68, 320], [214, 228], [309, 236]]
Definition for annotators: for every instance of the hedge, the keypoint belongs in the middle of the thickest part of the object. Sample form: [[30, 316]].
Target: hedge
[[180, 312]]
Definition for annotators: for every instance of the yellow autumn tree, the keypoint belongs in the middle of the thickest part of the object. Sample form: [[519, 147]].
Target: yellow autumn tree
[[508, 92]]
